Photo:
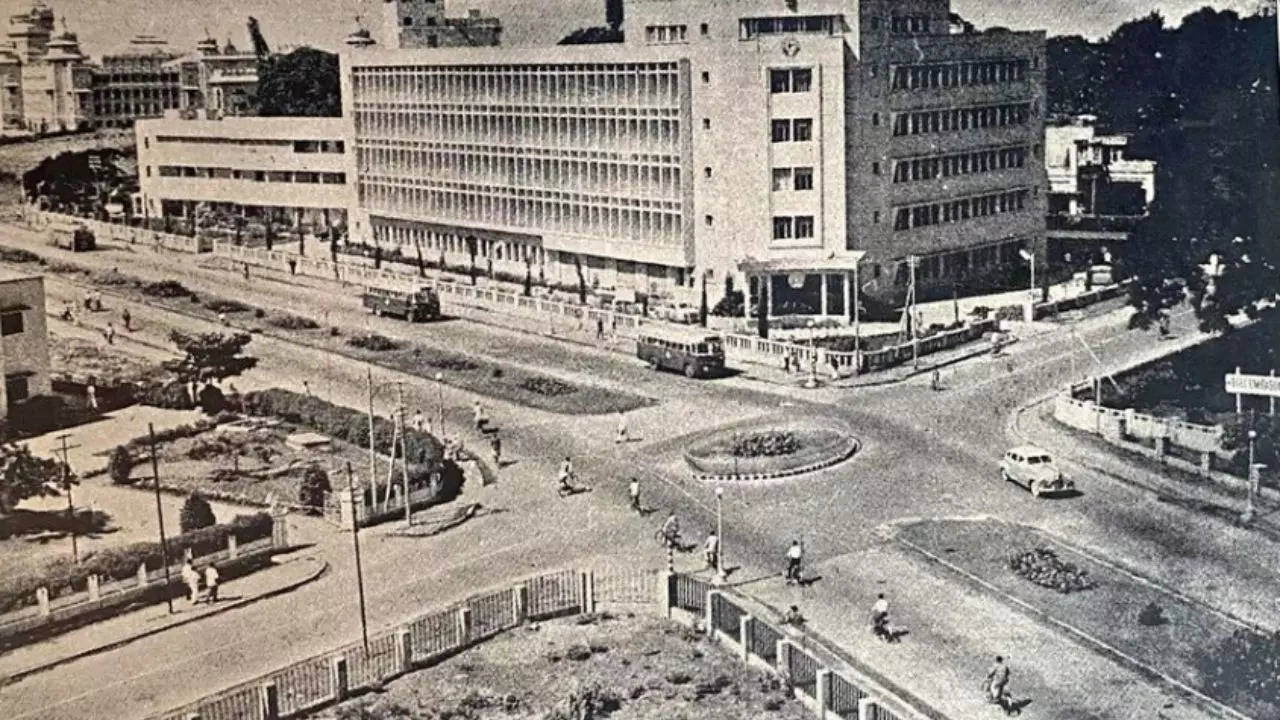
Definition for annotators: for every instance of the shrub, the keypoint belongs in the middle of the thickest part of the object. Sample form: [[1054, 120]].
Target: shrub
[[110, 278], [292, 322], [166, 289], [729, 306], [315, 483], [170, 434], [120, 465], [766, 444], [1043, 567], [1151, 615], [547, 386], [259, 313], [196, 514], [458, 364], [18, 256], [219, 305], [334, 332], [1013, 313], [65, 268], [373, 342], [171, 395]]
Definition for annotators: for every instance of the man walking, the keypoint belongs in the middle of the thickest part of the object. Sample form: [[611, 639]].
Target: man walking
[[670, 531], [191, 579], [711, 550], [633, 490], [91, 396], [211, 582], [566, 472], [495, 443], [621, 436], [478, 410], [795, 554], [127, 318], [997, 683], [599, 329], [110, 333]]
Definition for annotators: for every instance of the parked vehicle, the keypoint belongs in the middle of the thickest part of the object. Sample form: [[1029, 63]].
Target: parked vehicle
[[1034, 469], [72, 236], [692, 353], [419, 305]]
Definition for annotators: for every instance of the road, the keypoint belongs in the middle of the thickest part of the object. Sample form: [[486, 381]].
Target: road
[[925, 454]]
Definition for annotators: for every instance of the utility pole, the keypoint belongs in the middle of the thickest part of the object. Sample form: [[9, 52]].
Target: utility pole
[[164, 547], [355, 540], [373, 456], [911, 309], [66, 486], [404, 453]]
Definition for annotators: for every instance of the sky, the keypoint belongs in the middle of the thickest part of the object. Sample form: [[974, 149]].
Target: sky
[[107, 25]]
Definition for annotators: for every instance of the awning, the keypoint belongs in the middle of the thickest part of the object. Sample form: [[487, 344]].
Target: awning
[[847, 262]]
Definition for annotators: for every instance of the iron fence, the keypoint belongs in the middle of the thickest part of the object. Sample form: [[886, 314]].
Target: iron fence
[[492, 613], [764, 641], [629, 586], [369, 669], [689, 593], [434, 634], [725, 616], [802, 669], [304, 685], [844, 698], [554, 594]]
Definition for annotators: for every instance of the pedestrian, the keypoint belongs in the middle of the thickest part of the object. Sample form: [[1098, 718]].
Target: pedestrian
[[633, 489], [88, 300], [495, 442], [222, 319], [795, 554], [711, 550], [191, 579], [671, 532], [478, 411], [97, 301], [211, 582], [306, 388], [599, 328], [91, 396], [127, 319], [246, 271], [997, 683], [621, 436], [68, 315], [293, 266], [835, 370], [419, 421], [786, 363], [793, 617], [935, 380], [110, 333], [563, 477]]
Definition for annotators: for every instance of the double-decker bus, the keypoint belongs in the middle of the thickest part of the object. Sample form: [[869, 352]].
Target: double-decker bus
[[418, 305], [696, 354]]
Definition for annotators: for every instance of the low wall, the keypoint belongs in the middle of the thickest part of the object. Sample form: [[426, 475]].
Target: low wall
[[1126, 424], [124, 234], [1053, 307]]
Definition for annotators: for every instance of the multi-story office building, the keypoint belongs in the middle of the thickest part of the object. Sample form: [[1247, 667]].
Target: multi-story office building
[[138, 83], [723, 141], [293, 169], [24, 340], [423, 24]]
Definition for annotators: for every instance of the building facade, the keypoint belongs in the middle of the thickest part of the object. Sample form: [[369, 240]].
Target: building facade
[[47, 81], [423, 24], [1092, 174], [290, 169], [24, 339], [217, 82], [138, 83], [727, 142]]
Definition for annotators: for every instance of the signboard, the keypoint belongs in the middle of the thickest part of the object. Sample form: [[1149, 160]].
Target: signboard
[[1240, 384]]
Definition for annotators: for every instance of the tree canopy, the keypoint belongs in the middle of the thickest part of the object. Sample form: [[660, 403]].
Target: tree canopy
[[72, 182], [303, 83], [1201, 100], [23, 475], [209, 356], [592, 36]]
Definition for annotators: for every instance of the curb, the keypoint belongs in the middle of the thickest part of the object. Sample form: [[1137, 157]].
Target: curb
[[28, 672], [851, 448]]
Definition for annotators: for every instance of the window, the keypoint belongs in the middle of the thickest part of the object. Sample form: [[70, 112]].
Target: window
[[875, 119], [804, 226], [11, 322], [801, 80], [803, 130], [706, 123], [704, 29], [781, 179], [875, 168], [408, 21], [782, 228], [148, 171], [875, 217], [779, 81], [146, 143], [709, 220], [804, 178], [781, 130], [15, 388], [706, 76]]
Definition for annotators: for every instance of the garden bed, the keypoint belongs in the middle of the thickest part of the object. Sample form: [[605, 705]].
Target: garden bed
[[78, 360], [1163, 632], [638, 668], [766, 451]]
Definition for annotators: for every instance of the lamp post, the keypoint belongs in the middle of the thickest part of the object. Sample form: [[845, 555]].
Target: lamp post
[[1030, 257], [720, 576], [1247, 516], [440, 404], [812, 382]]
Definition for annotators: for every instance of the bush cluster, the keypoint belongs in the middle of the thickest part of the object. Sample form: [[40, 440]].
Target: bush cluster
[[373, 342], [292, 322], [766, 444], [196, 514], [166, 289], [547, 386], [456, 364], [18, 256], [1043, 567], [220, 305], [61, 576], [172, 395]]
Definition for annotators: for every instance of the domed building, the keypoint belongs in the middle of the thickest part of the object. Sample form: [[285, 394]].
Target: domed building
[[47, 81]]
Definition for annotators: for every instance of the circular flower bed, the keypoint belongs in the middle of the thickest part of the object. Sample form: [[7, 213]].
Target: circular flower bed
[[1043, 567], [767, 451]]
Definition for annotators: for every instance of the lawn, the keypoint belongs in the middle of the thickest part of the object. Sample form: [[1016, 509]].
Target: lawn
[[79, 359], [644, 669], [1179, 645]]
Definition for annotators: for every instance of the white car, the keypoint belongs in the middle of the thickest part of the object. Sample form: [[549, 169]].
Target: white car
[[1034, 469]]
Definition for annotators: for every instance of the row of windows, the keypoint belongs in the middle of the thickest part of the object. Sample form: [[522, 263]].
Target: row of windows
[[953, 119], [646, 135], [959, 74], [526, 151], [582, 215], [969, 163], [415, 235], [791, 130], [941, 265], [130, 109], [909, 25], [798, 178], [799, 227], [166, 78], [906, 218], [273, 176], [791, 80], [606, 178], [812, 24], [298, 146], [571, 84], [666, 33], [150, 93]]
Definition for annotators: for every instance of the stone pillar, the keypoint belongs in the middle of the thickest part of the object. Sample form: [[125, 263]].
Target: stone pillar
[[279, 529], [845, 281], [865, 709], [1206, 463], [520, 603], [588, 592], [1127, 428], [233, 546], [42, 599], [142, 575], [404, 650], [744, 636], [269, 699], [338, 671], [782, 656], [464, 626], [665, 599], [95, 592], [711, 601], [1161, 443], [822, 692], [823, 304], [346, 511]]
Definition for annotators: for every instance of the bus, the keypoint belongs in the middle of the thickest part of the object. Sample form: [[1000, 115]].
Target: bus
[[72, 236], [419, 305], [688, 351]]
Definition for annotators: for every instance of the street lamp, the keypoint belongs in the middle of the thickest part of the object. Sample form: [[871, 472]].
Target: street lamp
[[812, 382], [1247, 516], [440, 404], [1031, 258], [720, 576]]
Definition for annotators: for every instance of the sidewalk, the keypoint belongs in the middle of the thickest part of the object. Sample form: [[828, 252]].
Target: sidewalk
[[953, 635], [105, 635]]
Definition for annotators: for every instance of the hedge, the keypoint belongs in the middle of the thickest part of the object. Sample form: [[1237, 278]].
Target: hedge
[[64, 577], [341, 423]]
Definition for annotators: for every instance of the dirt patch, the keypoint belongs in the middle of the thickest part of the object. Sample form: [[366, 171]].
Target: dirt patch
[[634, 668], [79, 359]]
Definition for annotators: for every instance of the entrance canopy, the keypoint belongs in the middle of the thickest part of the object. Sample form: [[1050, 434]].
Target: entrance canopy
[[832, 264]]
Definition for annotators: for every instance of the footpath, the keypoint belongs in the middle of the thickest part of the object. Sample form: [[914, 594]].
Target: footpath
[[288, 574]]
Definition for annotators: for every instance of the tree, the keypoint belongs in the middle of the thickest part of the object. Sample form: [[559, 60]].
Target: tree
[[762, 307], [209, 357], [260, 47], [613, 14], [592, 36], [24, 475], [303, 83], [315, 483], [582, 280], [120, 465], [196, 513]]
